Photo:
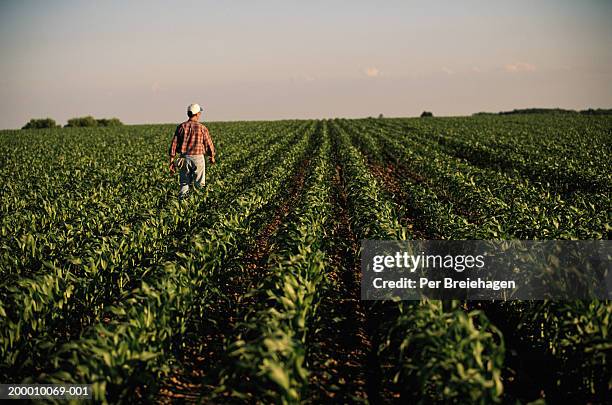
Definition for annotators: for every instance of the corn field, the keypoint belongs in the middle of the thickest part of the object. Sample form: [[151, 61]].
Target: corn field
[[249, 291]]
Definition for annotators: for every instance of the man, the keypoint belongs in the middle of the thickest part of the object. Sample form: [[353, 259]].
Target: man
[[191, 142]]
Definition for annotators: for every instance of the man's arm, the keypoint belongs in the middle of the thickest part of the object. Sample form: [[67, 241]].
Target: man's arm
[[209, 144], [173, 146]]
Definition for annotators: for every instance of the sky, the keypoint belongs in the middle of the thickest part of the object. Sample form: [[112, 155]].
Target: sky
[[145, 61]]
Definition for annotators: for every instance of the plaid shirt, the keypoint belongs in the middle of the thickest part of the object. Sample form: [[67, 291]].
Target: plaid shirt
[[191, 138]]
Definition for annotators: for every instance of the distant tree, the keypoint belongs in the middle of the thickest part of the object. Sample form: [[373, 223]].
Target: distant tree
[[87, 121], [599, 111], [590, 111], [538, 111], [426, 114], [106, 122], [39, 123], [381, 116]]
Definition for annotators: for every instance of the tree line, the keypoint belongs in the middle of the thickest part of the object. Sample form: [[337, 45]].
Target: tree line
[[88, 121], [590, 111]]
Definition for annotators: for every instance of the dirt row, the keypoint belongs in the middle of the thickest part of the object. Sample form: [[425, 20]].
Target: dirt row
[[341, 344], [344, 362], [390, 175]]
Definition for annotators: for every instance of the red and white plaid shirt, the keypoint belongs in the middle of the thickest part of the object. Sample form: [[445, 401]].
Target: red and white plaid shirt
[[192, 138]]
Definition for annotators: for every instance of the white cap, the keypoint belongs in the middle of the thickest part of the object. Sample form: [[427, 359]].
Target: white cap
[[193, 109]]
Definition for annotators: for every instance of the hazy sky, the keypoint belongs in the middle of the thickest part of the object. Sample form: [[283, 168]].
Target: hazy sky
[[146, 61]]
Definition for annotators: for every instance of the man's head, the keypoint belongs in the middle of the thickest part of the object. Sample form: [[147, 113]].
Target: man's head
[[194, 110]]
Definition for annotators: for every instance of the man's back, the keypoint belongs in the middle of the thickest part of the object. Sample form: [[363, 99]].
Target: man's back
[[192, 138]]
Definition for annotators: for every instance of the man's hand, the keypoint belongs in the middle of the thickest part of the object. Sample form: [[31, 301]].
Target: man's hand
[[212, 160], [172, 167]]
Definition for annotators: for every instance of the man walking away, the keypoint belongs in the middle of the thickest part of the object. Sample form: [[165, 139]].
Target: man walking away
[[191, 142]]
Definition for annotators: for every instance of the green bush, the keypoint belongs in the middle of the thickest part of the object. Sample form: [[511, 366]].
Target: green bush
[[88, 121], [38, 123], [426, 114], [109, 122]]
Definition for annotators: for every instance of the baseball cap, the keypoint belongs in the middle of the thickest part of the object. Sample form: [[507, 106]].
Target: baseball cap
[[194, 109]]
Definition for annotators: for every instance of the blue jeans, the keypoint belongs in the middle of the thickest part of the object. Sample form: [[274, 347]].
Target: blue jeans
[[194, 171]]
